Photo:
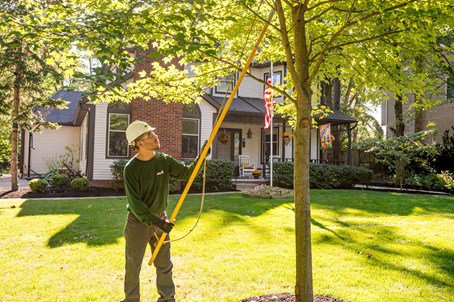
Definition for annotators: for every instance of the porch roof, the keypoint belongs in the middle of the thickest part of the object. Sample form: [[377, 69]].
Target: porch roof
[[240, 105], [63, 116], [338, 117]]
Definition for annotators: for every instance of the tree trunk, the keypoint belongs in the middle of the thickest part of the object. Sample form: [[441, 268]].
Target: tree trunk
[[298, 66], [303, 288], [420, 115], [336, 129], [400, 130], [327, 94], [398, 110], [14, 135]]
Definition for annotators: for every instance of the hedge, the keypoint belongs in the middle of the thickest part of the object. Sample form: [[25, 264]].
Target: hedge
[[322, 176], [219, 176]]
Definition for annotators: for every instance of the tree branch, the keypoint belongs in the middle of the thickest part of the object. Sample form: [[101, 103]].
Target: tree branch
[[347, 25], [238, 68], [365, 39], [287, 48], [321, 3]]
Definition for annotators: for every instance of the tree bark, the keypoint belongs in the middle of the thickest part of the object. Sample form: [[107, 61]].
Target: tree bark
[[398, 110], [420, 118], [336, 128], [400, 130], [14, 134], [303, 286]]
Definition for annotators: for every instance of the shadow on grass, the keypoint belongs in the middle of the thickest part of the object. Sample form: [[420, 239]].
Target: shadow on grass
[[376, 244], [101, 221], [98, 222], [384, 203]]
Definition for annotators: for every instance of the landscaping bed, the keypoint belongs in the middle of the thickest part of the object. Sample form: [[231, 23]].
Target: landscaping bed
[[61, 192]]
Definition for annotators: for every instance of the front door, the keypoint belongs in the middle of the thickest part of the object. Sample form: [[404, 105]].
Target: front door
[[227, 146]]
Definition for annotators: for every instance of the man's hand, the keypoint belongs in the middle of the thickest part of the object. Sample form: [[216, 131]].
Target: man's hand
[[203, 148], [165, 226]]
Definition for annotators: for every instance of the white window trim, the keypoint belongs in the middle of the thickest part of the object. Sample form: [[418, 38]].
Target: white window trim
[[218, 91], [108, 136]]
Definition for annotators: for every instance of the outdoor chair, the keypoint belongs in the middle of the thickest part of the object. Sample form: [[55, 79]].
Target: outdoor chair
[[245, 166]]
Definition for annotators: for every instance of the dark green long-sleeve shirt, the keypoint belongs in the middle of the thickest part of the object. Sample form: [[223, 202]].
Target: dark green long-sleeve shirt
[[147, 184]]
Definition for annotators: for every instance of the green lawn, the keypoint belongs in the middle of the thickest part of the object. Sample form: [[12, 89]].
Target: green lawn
[[367, 246]]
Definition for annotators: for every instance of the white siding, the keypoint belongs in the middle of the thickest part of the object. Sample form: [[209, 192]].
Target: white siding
[[314, 144], [288, 147], [49, 145], [101, 164], [250, 87], [206, 122], [83, 145]]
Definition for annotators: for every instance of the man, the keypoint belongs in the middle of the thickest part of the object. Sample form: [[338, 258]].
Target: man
[[146, 178]]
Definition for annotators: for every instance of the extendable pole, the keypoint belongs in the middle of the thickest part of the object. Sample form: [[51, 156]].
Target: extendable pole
[[212, 135]]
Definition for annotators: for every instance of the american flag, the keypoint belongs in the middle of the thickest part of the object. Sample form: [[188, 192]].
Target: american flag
[[268, 104]]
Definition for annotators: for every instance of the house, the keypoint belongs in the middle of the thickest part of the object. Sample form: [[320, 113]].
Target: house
[[442, 115], [98, 130]]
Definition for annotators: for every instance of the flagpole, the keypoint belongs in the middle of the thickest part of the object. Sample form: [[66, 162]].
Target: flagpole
[[271, 131]]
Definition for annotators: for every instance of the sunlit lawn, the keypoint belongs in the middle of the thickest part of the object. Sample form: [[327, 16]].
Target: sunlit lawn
[[367, 246]]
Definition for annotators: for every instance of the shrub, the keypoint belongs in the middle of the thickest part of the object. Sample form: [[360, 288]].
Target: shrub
[[448, 179], [444, 159], [219, 176], [60, 180], [80, 184], [442, 181], [174, 185], [322, 176], [117, 169], [48, 176], [38, 185]]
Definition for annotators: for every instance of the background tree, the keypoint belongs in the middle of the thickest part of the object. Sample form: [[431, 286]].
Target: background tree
[[35, 57]]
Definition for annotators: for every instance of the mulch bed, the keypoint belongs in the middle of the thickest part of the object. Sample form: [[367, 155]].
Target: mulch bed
[[61, 192], [286, 297]]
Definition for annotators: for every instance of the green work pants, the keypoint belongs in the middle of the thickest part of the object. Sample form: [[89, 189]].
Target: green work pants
[[137, 236]]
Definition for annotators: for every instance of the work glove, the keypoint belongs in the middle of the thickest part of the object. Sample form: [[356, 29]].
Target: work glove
[[203, 147], [165, 226]]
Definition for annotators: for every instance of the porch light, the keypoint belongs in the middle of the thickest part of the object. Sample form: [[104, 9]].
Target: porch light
[[249, 133]]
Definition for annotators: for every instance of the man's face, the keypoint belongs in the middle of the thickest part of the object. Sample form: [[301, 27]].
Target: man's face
[[149, 141]]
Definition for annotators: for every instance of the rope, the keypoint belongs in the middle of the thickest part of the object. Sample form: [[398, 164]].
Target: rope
[[200, 211]]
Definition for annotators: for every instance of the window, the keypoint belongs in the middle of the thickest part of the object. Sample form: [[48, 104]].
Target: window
[[277, 78], [191, 133], [116, 139], [266, 146], [226, 84]]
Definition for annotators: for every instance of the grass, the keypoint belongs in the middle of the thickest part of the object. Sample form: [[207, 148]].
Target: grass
[[367, 246]]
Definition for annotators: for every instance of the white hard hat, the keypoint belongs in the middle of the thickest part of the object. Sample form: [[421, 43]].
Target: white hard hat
[[135, 130]]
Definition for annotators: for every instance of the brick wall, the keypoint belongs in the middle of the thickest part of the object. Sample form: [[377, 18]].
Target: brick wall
[[166, 118]]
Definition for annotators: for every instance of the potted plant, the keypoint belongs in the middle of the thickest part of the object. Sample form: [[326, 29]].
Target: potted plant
[[256, 173], [224, 138], [287, 137]]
